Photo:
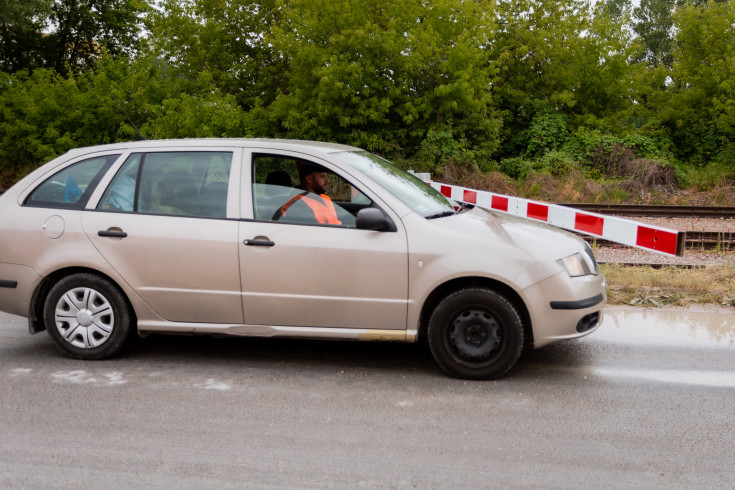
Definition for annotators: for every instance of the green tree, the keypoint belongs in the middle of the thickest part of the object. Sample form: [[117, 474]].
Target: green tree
[[654, 26], [83, 29], [383, 75], [700, 113], [618, 9], [564, 64], [44, 114], [21, 33], [67, 35], [227, 38]]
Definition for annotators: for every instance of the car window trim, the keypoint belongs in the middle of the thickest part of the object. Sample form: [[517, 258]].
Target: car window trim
[[136, 196]]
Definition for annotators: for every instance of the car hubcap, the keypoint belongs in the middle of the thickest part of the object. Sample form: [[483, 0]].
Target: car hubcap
[[475, 335], [84, 318]]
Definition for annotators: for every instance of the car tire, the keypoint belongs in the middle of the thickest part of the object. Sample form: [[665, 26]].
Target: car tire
[[476, 334], [88, 317]]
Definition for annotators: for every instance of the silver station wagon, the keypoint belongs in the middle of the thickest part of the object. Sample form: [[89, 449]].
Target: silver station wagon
[[274, 238]]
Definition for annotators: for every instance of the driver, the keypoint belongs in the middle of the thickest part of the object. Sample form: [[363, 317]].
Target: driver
[[314, 181]]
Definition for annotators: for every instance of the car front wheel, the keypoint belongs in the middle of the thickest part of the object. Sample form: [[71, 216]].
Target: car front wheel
[[475, 334], [87, 317]]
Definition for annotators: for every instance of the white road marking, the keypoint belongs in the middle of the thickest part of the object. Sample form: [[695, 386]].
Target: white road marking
[[212, 384], [20, 371], [115, 378], [79, 376]]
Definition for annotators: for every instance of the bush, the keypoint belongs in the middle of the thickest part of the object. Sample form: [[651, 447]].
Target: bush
[[547, 132], [558, 163], [440, 146], [646, 147], [704, 178], [516, 168], [645, 176]]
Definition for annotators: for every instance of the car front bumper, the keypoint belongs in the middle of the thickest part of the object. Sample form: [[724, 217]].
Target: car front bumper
[[563, 307]]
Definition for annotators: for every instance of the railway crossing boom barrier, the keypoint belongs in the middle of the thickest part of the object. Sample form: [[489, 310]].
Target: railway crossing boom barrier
[[619, 230]]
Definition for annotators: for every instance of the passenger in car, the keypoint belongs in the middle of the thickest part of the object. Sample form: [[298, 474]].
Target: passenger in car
[[173, 193], [314, 181], [122, 194]]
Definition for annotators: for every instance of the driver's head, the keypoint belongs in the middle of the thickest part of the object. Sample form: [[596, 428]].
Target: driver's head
[[313, 178]]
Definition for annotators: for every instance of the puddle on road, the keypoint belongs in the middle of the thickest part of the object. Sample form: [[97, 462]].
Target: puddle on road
[[718, 379], [668, 327]]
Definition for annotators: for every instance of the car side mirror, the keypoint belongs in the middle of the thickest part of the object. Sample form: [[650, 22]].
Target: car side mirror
[[374, 219]]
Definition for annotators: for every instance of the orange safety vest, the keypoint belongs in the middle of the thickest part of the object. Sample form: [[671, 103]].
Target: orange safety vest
[[324, 212]]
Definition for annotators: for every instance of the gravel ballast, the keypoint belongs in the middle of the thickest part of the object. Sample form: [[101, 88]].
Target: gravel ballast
[[627, 255]]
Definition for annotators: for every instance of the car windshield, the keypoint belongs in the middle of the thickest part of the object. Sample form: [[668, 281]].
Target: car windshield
[[411, 190]]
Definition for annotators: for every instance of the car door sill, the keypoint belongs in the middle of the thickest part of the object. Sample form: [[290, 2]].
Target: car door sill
[[277, 331]]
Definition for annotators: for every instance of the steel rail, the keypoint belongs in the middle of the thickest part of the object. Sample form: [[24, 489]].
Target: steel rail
[[658, 211], [653, 266], [694, 240]]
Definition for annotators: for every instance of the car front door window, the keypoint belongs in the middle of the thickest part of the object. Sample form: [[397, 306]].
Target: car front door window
[[284, 192]]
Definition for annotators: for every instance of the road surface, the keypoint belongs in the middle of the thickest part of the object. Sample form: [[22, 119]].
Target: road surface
[[647, 401]]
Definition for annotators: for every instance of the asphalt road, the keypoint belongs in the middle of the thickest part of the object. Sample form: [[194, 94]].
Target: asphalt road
[[645, 402]]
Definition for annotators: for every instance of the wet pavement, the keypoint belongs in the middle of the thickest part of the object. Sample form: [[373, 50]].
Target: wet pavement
[[707, 338], [703, 328], [646, 401]]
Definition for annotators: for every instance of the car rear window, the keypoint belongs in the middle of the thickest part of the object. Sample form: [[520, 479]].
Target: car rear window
[[71, 187]]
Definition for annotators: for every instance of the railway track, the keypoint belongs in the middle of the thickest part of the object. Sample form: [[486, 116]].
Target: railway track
[[694, 240], [657, 211], [654, 266]]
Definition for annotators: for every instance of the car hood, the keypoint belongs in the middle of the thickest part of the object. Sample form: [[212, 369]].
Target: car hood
[[501, 239], [539, 239]]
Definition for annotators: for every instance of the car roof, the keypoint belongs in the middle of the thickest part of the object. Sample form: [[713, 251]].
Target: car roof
[[318, 147]]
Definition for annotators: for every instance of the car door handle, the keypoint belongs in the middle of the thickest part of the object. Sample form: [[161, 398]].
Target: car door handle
[[259, 243], [112, 234]]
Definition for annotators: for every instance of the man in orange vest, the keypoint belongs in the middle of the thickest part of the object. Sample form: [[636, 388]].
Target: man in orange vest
[[314, 181]]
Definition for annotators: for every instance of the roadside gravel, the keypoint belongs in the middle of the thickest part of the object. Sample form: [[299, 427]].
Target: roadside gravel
[[627, 255], [688, 224]]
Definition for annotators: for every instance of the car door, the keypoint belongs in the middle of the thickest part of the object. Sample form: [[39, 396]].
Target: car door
[[162, 224], [297, 272]]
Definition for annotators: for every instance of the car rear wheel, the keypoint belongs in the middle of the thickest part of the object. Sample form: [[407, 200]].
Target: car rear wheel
[[87, 317], [475, 334]]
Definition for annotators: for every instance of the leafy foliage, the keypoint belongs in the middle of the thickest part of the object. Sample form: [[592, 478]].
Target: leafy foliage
[[391, 77], [21, 33], [701, 113], [67, 35], [558, 87]]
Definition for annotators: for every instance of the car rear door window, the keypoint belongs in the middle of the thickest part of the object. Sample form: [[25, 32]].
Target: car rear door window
[[171, 183], [71, 187]]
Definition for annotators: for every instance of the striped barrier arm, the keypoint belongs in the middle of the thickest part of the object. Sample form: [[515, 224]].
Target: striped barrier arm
[[618, 230]]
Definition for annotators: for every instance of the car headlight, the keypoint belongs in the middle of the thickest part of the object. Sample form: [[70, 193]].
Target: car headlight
[[580, 264]]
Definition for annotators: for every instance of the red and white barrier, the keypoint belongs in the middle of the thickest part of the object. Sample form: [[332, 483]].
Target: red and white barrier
[[618, 230]]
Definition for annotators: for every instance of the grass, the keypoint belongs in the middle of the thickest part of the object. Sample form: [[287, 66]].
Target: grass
[[708, 186], [648, 286]]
